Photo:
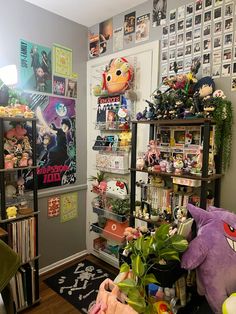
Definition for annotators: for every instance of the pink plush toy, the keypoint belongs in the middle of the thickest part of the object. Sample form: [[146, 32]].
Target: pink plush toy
[[213, 254], [18, 132]]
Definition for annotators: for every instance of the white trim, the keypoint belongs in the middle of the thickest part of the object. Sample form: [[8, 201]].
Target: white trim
[[62, 262]]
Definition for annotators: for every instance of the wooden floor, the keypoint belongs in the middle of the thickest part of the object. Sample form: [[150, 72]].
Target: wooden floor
[[53, 303]]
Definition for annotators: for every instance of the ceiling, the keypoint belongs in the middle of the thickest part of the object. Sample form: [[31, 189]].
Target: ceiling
[[86, 12]]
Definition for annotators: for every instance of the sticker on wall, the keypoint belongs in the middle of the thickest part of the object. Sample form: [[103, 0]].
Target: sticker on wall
[[62, 61], [159, 12], [93, 45], [69, 206], [129, 23], [118, 39], [59, 85], [56, 143], [35, 67], [142, 28], [53, 206]]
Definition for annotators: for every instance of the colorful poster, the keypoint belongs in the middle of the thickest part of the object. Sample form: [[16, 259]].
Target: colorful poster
[[129, 23], [53, 206], [35, 67], [105, 30], [142, 28], [62, 61], [56, 144], [59, 85], [118, 39], [159, 12], [93, 45], [69, 206], [71, 88]]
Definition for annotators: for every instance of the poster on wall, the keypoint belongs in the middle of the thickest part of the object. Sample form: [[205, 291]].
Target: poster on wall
[[59, 85], [56, 143], [71, 88], [106, 30], [35, 67], [129, 23], [62, 61], [159, 12], [118, 39], [53, 206], [142, 28], [69, 206], [93, 45]]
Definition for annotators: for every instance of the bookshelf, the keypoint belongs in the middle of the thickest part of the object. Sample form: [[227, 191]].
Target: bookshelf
[[204, 179], [20, 229]]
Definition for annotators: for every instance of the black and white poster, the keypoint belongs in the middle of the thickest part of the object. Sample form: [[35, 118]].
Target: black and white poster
[[159, 12]]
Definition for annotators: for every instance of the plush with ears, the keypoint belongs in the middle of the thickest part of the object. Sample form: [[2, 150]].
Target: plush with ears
[[229, 306], [213, 254]]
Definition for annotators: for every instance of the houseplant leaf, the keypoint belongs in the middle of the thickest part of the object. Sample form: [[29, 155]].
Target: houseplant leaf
[[138, 305], [127, 283], [149, 278], [138, 266], [179, 243], [124, 268], [162, 232]]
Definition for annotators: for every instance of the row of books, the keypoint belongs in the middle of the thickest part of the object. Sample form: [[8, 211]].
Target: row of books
[[22, 238], [23, 286]]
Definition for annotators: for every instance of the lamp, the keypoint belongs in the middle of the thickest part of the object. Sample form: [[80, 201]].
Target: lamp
[[8, 75]]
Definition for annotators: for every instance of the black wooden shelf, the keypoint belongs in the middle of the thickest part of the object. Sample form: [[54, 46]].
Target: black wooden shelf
[[184, 122], [183, 175], [18, 169], [19, 217], [30, 260], [18, 119]]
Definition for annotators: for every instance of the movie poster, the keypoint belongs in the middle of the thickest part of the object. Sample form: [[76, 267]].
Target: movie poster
[[129, 23], [56, 144], [93, 45], [35, 67], [142, 28], [159, 12]]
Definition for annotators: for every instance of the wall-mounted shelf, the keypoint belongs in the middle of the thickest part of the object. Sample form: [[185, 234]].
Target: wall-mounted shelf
[[109, 214]]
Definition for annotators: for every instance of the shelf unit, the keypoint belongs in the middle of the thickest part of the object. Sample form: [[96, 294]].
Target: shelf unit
[[205, 178], [24, 225]]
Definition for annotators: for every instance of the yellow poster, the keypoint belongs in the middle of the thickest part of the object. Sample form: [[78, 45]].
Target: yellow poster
[[62, 61], [69, 206]]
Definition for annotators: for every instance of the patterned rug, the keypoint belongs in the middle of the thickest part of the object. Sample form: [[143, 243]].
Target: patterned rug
[[79, 283]]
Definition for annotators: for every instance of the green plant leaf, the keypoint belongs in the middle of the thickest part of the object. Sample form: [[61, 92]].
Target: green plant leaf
[[138, 243], [138, 305], [169, 255], [162, 232], [180, 244], [138, 266], [149, 278], [124, 268], [127, 283]]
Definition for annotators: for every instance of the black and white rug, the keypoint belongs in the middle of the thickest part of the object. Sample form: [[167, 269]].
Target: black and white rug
[[79, 284]]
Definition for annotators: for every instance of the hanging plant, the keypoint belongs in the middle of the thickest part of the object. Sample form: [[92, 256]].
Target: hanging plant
[[223, 116]]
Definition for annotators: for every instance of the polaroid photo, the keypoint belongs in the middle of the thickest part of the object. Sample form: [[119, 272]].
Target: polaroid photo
[[227, 55], [207, 30], [207, 16], [233, 84], [180, 13], [234, 54], [226, 69], [217, 56], [171, 66], [164, 43], [206, 70], [189, 9], [165, 31], [218, 2], [180, 65], [164, 56], [216, 70], [197, 33], [217, 42], [228, 39], [229, 10], [172, 54], [172, 15], [180, 52], [229, 25], [206, 44], [189, 22], [187, 64], [172, 40], [206, 58], [188, 50], [180, 26], [164, 69], [188, 36], [234, 68], [198, 6], [208, 4], [218, 28], [172, 28], [180, 39], [218, 13], [197, 47], [198, 20]]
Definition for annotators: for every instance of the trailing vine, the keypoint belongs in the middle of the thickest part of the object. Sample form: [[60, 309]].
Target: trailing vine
[[223, 116]]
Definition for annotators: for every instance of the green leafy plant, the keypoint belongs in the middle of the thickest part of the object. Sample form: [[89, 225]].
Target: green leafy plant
[[147, 251], [119, 206], [99, 177], [223, 116]]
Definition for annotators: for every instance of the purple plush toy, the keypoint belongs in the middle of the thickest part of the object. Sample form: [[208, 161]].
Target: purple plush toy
[[213, 254]]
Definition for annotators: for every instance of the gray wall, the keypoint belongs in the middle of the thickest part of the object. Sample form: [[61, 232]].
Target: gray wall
[[20, 19], [228, 182]]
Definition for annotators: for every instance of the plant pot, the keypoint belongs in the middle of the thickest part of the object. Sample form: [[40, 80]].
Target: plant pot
[[154, 218]]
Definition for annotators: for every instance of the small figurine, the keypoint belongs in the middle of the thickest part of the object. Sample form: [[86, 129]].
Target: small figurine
[[140, 163], [10, 191], [178, 164], [169, 166], [26, 145], [163, 164], [8, 161], [153, 153], [23, 162], [21, 186], [203, 89], [11, 212]]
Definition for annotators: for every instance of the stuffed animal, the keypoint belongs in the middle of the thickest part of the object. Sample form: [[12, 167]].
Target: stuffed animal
[[11, 212], [229, 305], [213, 254]]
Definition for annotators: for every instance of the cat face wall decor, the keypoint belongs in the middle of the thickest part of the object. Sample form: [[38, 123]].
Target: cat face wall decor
[[116, 188]]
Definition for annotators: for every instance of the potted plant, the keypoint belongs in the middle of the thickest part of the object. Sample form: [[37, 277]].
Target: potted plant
[[147, 253], [155, 214], [120, 208]]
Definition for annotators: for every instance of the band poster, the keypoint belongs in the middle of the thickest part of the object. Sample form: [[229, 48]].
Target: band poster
[[56, 144], [35, 67]]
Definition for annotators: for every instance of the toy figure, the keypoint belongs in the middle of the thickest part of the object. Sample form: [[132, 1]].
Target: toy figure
[[125, 138], [8, 161], [23, 162], [163, 164], [10, 191], [26, 145], [203, 89], [21, 186], [178, 164], [11, 212], [153, 153]]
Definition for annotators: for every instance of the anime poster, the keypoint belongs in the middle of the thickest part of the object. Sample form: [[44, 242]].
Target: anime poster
[[59, 85], [142, 28], [71, 88], [55, 146], [35, 67], [129, 23], [69, 206], [93, 45], [159, 12], [53, 206], [62, 61]]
